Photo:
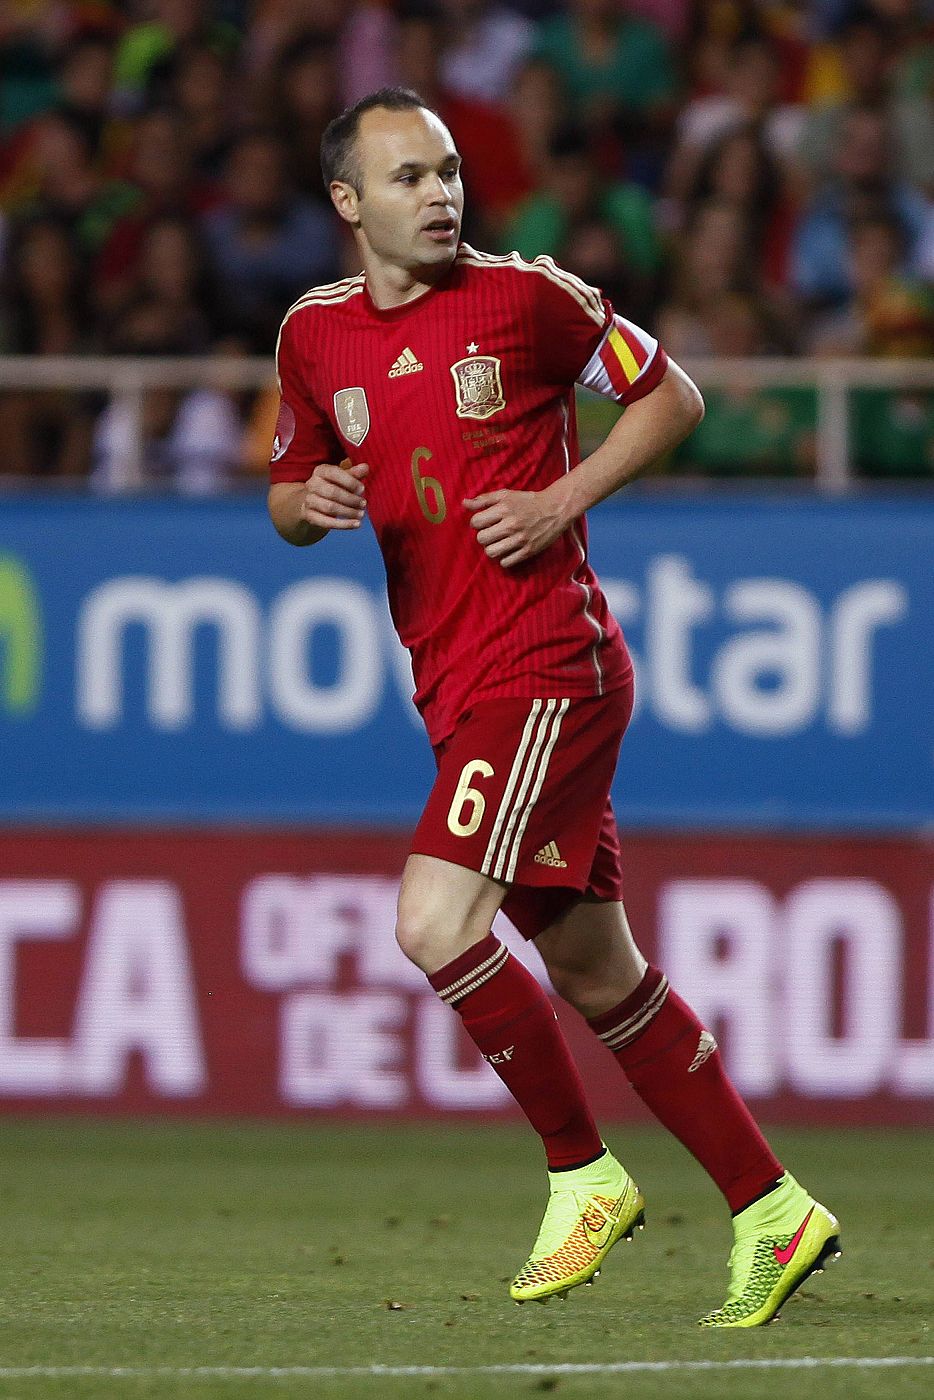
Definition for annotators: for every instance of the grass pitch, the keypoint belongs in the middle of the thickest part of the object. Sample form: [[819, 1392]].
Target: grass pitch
[[157, 1248]]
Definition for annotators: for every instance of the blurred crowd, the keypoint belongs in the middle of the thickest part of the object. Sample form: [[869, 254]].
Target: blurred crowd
[[746, 178]]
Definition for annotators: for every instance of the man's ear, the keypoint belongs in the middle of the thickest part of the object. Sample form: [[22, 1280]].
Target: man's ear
[[345, 200]]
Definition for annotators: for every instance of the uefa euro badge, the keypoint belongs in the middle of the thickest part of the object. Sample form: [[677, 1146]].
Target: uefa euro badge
[[353, 414], [478, 386]]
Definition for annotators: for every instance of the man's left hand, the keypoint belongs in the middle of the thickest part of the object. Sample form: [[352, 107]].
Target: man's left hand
[[513, 526]]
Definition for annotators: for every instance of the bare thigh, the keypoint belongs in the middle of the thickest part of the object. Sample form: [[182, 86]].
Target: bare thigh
[[443, 910]]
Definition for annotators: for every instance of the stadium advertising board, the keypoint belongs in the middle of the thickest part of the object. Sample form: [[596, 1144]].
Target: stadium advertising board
[[256, 973], [173, 661]]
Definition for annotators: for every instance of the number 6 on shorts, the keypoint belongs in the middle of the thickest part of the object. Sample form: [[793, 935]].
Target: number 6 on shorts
[[467, 796]]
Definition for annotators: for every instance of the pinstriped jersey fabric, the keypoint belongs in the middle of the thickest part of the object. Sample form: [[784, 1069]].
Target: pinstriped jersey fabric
[[465, 390]]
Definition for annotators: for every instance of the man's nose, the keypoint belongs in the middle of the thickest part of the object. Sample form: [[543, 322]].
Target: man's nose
[[437, 191]]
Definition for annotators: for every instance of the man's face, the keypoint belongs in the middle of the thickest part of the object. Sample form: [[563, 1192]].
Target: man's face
[[411, 200]]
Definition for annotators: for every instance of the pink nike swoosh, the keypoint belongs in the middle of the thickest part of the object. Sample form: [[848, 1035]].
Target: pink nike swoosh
[[784, 1255]]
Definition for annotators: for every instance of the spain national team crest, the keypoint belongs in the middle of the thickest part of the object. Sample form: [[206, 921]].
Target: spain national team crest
[[353, 414], [478, 386]]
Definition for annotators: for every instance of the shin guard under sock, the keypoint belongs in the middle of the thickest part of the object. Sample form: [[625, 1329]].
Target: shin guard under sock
[[674, 1066], [513, 1024]]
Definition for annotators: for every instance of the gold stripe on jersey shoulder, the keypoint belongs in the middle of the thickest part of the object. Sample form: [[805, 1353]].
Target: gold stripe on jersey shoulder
[[544, 264], [327, 289], [587, 298], [551, 269], [329, 294]]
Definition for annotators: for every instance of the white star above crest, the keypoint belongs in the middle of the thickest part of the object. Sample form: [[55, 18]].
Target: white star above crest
[[472, 348]]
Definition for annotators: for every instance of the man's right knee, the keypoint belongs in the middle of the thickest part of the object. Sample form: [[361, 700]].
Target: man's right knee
[[430, 933], [418, 936], [443, 911]]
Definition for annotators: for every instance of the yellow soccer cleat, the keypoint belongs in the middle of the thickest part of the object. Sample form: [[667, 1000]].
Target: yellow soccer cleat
[[778, 1242], [589, 1209]]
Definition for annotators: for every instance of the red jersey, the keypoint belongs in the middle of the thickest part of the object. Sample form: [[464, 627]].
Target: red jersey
[[467, 389]]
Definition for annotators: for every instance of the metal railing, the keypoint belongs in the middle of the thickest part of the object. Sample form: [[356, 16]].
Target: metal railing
[[127, 379]]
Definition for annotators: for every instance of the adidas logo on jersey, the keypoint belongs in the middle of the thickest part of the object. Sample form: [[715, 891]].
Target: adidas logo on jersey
[[550, 855], [406, 364]]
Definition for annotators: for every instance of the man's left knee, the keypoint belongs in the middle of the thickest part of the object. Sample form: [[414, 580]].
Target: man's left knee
[[577, 981]]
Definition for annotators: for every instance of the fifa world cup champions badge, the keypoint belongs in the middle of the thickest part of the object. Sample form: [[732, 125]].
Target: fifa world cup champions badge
[[478, 386], [353, 414]]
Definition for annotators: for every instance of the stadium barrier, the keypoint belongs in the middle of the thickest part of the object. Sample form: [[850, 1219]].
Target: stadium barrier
[[164, 661], [251, 972], [128, 378]]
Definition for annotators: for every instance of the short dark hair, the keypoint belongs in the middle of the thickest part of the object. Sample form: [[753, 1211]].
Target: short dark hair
[[338, 157]]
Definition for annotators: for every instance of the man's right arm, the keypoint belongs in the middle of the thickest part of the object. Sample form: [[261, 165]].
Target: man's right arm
[[333, 498]]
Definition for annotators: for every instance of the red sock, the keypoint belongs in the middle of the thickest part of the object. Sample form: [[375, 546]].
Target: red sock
[[674, 1066], [513, 1025]]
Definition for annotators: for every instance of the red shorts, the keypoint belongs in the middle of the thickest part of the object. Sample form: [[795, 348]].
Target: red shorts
[[523, 796]]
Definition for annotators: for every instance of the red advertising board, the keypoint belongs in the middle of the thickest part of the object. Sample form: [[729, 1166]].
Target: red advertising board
[[255, 972]]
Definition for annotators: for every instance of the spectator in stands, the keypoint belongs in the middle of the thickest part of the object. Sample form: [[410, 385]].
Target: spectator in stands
[[44, 311], [913, 123], [771, 431], [672, 17], [865, 64], [27, 44], [173, 270], [602, 230], [268, 245], [68, 183], [749, 100], [714, 258], [302, 96], [159, 167], [191, 441], [539, 108], [912, 40], [487, 45], [84, 79], [199, 82], [739, 170], [862, 184], [619, 77], [890, 312], [276, 24], [494, 172], [81, 95], [149, 48]]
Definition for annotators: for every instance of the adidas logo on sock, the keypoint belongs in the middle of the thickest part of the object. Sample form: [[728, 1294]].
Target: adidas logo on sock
[[406, 364], [705, 1048], [550, 855]]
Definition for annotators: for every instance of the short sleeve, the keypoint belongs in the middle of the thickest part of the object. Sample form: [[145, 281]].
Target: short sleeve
[[304, 436], [581, 339]]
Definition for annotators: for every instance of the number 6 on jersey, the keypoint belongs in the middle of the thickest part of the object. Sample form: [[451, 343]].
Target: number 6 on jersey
[[434, 508], [470, 797]]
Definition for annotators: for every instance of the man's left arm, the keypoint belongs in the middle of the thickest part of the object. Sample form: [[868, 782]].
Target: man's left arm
[[513, 526]]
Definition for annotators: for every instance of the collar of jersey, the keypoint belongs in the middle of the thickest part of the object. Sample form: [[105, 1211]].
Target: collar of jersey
[[406, 308]]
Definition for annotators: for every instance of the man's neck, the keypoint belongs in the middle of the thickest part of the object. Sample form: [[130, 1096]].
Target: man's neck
[[391, 286]]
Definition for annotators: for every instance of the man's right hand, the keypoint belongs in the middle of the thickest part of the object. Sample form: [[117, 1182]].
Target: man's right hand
[[335, 497]]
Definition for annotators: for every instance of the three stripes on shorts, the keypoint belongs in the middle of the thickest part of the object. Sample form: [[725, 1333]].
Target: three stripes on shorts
[[523, 788]]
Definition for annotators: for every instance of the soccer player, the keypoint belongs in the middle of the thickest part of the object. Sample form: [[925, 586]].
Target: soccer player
[[434, 392]]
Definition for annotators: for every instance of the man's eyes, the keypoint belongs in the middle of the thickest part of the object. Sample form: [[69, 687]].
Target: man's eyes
[[449, 174]]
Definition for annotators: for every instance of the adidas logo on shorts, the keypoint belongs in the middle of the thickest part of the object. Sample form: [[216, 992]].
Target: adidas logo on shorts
[[550, 855]]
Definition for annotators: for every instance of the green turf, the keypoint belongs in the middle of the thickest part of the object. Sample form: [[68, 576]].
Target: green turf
[[218, 1245]]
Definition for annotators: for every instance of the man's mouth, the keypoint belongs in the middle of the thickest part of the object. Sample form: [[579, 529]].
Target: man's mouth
[[441, 229]]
